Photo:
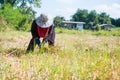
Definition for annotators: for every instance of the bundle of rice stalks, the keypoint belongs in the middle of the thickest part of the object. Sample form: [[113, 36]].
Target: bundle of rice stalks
[[51, 49], [15, 52]]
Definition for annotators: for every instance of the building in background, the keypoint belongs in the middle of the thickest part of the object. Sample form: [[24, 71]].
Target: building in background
[[73, 25], [106, 27]]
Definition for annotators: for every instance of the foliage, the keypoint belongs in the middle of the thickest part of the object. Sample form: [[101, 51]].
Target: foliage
[[104, 18], [80, 15], [98, 27], [116, 22], [21, 3], [113, 21], [18, 13], [58, 21], [25, 6], [14, 18], [91, 18]]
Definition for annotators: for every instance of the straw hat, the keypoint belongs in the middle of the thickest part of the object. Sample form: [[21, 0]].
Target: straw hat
[[43, 21]]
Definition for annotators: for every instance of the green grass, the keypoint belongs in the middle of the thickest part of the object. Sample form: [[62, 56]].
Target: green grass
[[77, 55], [114, 32], [107, 33], [68, 31]]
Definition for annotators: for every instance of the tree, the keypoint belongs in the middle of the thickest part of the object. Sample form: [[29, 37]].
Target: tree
[[22, 3], [80, 15], [104, 18], [25, 6], [118, 22], [18, 13], [1, 4], [113, 21], [58, 21], [93, 17], [1, 1]]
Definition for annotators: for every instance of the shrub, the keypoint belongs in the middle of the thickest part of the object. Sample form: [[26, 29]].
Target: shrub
[[14, 18]]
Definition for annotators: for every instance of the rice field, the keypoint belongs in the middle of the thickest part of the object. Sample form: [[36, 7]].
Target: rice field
[[77, 55]]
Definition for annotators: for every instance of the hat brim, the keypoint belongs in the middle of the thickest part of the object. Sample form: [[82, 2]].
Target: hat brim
[[43, 24]]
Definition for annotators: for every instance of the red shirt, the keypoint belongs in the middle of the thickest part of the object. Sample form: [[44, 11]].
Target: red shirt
[[42, 32]]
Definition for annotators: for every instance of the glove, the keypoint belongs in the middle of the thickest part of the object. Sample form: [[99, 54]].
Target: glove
[[38, 41], [44, 41]]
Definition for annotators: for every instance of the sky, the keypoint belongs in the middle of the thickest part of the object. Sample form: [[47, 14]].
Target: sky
[[66, 8]]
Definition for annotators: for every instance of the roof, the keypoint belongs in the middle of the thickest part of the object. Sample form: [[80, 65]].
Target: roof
[[72, 22], [106, 25]]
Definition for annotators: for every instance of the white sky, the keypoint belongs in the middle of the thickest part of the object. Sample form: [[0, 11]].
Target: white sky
[[66, 8]]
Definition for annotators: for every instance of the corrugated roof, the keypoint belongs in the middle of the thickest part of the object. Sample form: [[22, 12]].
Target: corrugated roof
[[72, 22], [106, 25]]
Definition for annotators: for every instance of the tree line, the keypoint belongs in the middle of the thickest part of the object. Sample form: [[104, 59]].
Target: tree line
[[90, 18]]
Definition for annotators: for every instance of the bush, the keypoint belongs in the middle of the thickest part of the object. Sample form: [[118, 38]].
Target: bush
[[14, 18], [98, 27]]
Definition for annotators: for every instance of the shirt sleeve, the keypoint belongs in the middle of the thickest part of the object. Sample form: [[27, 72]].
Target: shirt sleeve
[[51, 31], [34, 31]]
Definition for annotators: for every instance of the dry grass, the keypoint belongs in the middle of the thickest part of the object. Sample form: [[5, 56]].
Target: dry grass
[[75, 57]]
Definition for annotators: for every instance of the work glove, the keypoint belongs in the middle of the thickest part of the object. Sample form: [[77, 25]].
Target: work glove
[[38, 41], [44, 41]]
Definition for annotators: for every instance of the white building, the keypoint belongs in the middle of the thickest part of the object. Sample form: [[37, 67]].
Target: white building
[[71, 24]]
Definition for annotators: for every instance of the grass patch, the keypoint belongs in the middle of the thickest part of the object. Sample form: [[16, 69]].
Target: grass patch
[[106, 33], [68, 31]]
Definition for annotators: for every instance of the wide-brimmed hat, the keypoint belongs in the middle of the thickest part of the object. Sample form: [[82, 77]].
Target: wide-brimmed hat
[[44, 21]]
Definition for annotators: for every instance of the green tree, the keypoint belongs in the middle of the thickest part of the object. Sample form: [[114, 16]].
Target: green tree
[[118, 22], [93, 17], [80, 15], [58, 21], [25, 6], [104, 18], [14, 17], [22, 3], [113, 21], [19, 13]]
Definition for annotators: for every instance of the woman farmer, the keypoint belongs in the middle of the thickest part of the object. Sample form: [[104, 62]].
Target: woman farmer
[[41, 28]]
